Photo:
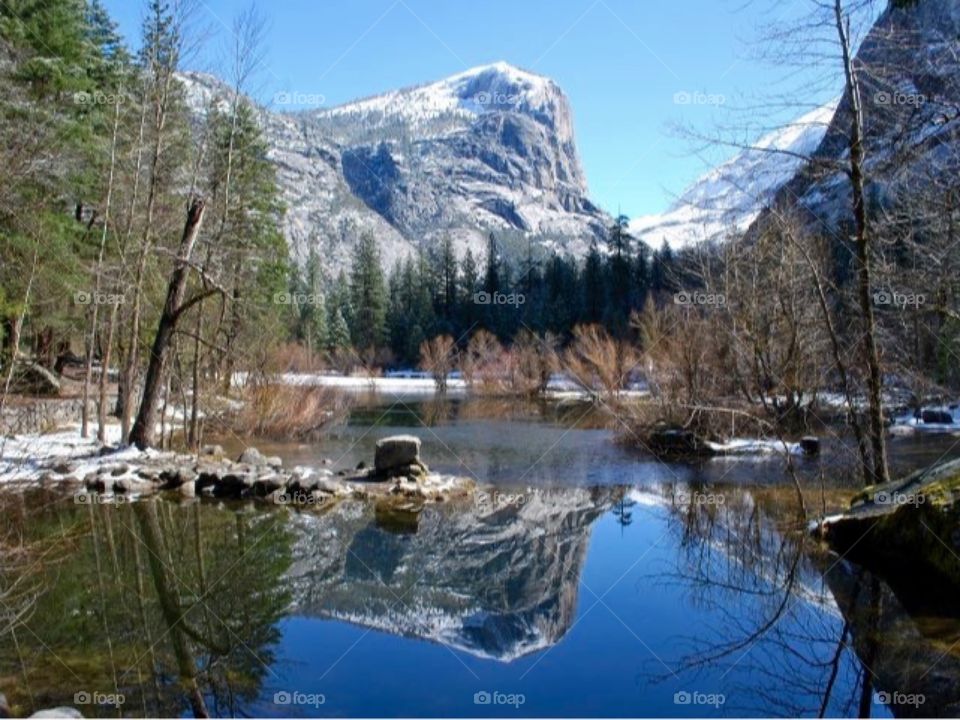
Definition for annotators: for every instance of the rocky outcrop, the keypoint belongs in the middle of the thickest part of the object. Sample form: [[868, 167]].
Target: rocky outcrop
[[912, 524], [408, 486], [399, 456], [490, 149], [909, 65]]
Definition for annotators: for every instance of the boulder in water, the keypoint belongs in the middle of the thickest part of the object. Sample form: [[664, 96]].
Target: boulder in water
[[395, 455]]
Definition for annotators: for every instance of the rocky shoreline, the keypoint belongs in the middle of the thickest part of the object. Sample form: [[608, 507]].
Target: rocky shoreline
[[398, 475], [909, 526]]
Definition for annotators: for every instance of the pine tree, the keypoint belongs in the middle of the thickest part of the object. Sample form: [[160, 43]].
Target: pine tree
[[618, 304], [593, 286], [368, 296]]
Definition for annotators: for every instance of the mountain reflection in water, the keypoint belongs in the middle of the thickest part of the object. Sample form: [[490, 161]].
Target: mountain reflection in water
[[497, 579]]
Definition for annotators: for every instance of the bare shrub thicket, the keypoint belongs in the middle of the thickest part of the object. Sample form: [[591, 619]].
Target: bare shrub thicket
[[287, 411], [531, 362], [599, 363], [438, 357], [484, 364]]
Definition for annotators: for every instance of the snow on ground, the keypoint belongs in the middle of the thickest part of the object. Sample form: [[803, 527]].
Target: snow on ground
[[411, 382], [389, 385], [753, 446], [28, 457]]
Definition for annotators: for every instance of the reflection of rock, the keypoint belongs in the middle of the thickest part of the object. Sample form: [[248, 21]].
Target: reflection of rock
[[906, 647], [496, 581]]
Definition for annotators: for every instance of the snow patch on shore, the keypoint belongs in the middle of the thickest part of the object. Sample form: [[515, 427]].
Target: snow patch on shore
[[28, 457]]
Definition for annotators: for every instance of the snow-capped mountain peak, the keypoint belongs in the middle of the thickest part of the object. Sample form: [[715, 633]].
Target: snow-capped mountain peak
[[489, 149], [435, 108], [729, 197]]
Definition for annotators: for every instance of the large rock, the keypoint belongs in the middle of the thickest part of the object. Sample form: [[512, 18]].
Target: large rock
[[395, 454]]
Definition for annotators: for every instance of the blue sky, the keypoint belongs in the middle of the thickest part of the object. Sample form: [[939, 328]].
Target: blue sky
[[621, 62]]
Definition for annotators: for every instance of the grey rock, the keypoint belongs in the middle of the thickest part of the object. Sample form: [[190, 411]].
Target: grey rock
[[138, 486], [810, 445], [396, 452], [274, 461], [212, 451], [252, 456], [267, 484], [937, 416]]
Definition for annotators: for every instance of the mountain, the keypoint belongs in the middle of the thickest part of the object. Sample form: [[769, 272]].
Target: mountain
[[909, 68], [489, 149], [730, 197]]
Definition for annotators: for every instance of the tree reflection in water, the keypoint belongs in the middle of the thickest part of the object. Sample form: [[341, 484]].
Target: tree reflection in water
[[816, 635], [173, 607], [749, 564]]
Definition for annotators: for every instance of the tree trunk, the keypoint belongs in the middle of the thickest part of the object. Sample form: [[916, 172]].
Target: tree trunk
[[98, 282], [144, 429], [881, 472], [105, 377]]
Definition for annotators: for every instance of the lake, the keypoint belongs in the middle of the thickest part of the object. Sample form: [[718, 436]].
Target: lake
[[587, 580]]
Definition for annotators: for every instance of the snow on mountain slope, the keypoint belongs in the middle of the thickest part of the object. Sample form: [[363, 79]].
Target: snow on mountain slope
[[909, 66], [490, 149], [729, 197]]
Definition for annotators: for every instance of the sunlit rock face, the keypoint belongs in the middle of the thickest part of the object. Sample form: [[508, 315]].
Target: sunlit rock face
[[489, 149], [909, 68], [498, 578]]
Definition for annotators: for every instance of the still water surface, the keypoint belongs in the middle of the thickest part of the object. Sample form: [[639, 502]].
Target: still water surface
[[593, 582]]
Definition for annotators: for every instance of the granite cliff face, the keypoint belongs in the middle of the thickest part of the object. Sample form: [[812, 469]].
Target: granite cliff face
[[909, 68], [490, 149]]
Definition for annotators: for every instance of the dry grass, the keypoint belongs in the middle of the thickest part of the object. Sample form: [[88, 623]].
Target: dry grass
[[283, 412], [295, 358]]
